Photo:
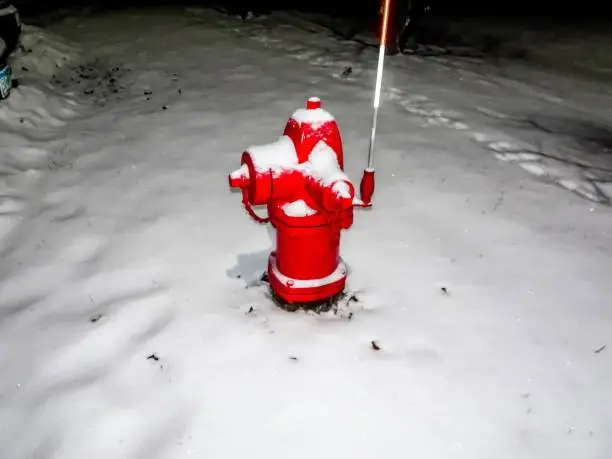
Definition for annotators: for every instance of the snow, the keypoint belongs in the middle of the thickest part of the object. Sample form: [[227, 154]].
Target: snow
[[323, 165], [342, 189], [275, 156], [126, 325], [315, 116], [38, 106], [241, 172], [45, 53], [298, 208]]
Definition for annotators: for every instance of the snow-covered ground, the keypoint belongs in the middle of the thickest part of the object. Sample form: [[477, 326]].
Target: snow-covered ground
[[553, 126], [127, 330]]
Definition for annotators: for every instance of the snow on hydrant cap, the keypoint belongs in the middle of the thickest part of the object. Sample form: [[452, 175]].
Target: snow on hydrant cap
[[313, 113]]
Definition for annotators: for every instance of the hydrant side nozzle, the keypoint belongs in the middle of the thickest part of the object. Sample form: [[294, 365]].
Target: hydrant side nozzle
[[339, 196], [240, 177]]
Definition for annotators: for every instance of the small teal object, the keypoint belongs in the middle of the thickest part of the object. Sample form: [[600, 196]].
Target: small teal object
[[5, 82]]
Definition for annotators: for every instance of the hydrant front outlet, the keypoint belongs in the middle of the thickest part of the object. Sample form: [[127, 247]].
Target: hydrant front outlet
[[310, 200]]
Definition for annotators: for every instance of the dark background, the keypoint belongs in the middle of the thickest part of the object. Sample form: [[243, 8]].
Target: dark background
[[511, 10], [537, 31]]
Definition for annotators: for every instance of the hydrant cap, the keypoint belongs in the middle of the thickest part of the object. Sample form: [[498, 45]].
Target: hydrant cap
[[313, 103]]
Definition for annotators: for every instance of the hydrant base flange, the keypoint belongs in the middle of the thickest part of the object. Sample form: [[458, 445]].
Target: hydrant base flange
[[292, 291], [318, 307]]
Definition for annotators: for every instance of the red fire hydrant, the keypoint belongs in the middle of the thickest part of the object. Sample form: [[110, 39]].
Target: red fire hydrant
[[300, 178]]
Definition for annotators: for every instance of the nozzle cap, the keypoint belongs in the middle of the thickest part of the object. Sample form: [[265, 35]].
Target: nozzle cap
[[366, 189], [313, 103]]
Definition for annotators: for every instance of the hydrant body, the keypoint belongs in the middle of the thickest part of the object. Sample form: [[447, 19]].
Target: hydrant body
[[309, 198]]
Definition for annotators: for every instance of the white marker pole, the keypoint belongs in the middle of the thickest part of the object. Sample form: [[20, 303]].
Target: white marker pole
[[379, 77], [367, 181]]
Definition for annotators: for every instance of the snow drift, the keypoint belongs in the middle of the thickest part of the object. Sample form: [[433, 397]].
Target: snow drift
[[36, 106]]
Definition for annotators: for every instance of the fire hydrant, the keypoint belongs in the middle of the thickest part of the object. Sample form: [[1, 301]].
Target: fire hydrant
[[309, 199]]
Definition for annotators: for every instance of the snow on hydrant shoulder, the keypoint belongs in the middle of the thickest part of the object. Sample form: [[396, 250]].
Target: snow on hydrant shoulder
[[274, 155], [323, 163]]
